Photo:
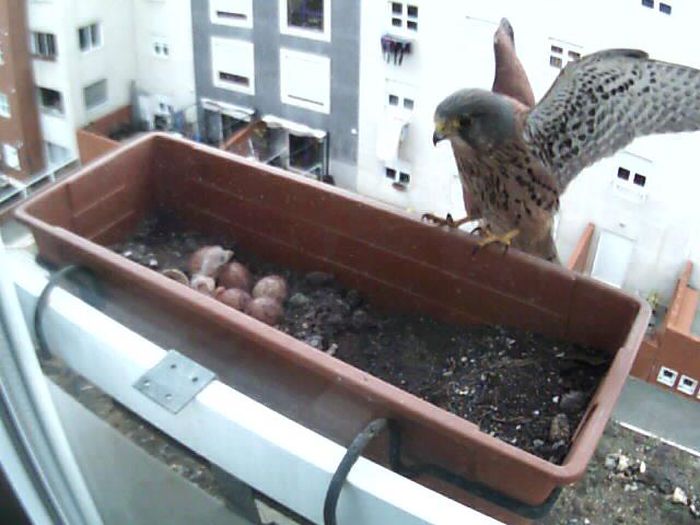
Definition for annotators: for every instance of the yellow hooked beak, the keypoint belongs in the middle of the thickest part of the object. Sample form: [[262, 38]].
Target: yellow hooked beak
[[443, 129]]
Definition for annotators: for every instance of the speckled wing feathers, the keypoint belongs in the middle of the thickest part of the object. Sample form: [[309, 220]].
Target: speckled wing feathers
[[602, 102]]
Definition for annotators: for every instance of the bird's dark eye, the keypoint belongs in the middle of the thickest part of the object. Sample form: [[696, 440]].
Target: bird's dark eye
[[465, 122]]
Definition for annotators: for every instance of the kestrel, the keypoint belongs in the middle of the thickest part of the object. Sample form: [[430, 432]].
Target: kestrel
[[509, 79], [515, 161]]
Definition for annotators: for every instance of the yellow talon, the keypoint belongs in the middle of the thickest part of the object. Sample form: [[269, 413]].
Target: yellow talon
[[504, 239]]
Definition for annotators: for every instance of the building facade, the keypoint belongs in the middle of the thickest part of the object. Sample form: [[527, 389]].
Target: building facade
[[640, 200], [89, 59], [292, 66], [20, 135]]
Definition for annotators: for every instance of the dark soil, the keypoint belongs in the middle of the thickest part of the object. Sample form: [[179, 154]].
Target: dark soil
[[523, 388]]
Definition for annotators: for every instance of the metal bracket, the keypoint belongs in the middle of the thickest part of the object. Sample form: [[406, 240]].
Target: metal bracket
[[174, 381]]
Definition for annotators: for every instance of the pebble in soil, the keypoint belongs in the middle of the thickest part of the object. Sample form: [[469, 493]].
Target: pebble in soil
[[525, 389]]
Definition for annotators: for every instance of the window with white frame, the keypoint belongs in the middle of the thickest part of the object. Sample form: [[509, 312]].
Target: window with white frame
[[305, 80], [10, 157], [561, 53], [623, 174], [399, 173], [90, 36], [667, 376], [50, 101], [307, 18], [43, 45], [4, 106], [95, 94], [160, 46], [404, 15], [687, 385], [56, 154], [233, 64], [632, 178], [664, 7], [398, 101], [237, 13]]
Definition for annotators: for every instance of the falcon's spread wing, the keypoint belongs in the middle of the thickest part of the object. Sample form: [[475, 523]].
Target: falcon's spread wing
[[602, 102], [510, 78]]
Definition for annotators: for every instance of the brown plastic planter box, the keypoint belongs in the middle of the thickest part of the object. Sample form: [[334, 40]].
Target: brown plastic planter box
[[394, 259]]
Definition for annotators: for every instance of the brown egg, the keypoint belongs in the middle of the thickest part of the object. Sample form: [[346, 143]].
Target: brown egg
[[203, 284], [176, 275], [273, 286], [265, 309], [235, 275], [235, 298], [208, 260]]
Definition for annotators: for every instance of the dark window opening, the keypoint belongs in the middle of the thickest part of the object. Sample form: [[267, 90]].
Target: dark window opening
[[51, 100], [669, 374], [555, 62], [413, 26], [89, 37], [161, 123], [665, 8], [305, 154], [623, 174], [648, 3], [640, 180], [44, 45], [557, 49], [413, 11], [408, 103], [234, 79], [306, 14], [396, 22], [573, 55], [404, 178], [390, 173], [393, 100], [396, 8], [230, 15]]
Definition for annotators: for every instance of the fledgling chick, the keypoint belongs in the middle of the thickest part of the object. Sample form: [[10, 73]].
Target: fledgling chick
[[203, 284], [208, 260]]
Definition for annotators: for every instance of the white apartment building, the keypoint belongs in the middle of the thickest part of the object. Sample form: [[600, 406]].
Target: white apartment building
[[642, 201], [93, 57]]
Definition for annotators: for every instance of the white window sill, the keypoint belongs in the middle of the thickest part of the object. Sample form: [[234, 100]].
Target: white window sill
[[321, 36]]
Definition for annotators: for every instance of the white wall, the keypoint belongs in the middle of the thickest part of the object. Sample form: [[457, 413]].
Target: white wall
[[52, 17], [126, 55], [114, 60], [171, 77], [73, 69], [454, 49]]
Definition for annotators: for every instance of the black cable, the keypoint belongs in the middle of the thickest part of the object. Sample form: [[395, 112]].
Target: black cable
[[41, 303], [476, 488], [351, 456]]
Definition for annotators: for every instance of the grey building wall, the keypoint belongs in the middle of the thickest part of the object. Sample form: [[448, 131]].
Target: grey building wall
[[343, 50]]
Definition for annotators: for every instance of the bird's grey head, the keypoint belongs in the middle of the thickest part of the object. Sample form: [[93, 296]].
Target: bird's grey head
[[480, 118]]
